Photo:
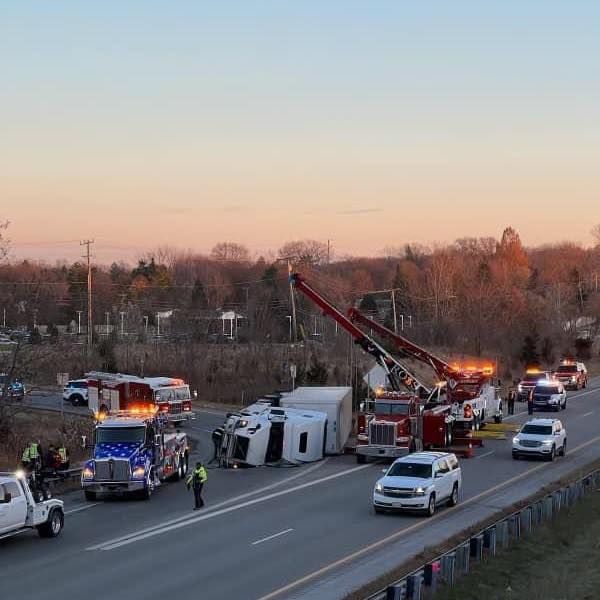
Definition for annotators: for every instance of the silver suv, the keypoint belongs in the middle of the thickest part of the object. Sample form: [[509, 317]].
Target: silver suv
[[419, 481], [540, 437]]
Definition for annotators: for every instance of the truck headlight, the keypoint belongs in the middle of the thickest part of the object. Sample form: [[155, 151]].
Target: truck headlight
[[139, 472], [379, 487], [547, 442], [573, 379], [520, 388], [516, 440], [87, 473], [419, 491]]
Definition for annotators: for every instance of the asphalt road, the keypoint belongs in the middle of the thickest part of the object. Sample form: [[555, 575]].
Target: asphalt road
[[305, 532]]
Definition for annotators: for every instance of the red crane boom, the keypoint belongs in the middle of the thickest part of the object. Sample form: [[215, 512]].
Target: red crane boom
[[397, 374]]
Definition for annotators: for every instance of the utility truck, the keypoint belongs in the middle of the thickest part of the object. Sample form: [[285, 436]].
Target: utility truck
[[20, 511]]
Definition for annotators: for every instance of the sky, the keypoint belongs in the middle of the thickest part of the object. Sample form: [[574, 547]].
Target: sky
[[371, 124]]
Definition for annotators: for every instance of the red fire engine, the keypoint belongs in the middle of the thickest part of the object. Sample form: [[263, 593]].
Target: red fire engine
[[407, 417], [110, 392]]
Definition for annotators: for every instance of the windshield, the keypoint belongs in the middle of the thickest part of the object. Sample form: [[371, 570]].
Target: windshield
[[114, 435], [537, 429], [546, 389], [567, 369], [387, 408], [405, 469], [534, 376]]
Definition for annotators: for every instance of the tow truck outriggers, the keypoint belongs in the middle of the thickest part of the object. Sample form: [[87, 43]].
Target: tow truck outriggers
[[134, 453]]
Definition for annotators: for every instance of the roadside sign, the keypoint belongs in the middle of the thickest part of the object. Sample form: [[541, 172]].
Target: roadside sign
[[62, 378]]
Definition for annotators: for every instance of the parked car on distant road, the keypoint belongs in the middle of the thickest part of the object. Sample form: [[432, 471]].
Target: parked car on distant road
[[76, 392], [420, 481], [540, 437], [549, 395], [11, 389], [572, 374]]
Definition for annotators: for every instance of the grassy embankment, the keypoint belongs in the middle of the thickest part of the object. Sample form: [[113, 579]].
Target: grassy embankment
[[558, 561]]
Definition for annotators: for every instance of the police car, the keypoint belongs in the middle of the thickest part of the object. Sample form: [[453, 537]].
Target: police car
[[549, 395]]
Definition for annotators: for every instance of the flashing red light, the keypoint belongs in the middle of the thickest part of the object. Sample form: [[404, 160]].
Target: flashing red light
[[187, 405]]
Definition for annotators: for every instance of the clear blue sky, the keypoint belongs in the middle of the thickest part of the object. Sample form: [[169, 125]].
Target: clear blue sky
[[343, 120]]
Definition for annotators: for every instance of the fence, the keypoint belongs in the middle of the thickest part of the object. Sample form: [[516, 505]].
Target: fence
[[446, 568]]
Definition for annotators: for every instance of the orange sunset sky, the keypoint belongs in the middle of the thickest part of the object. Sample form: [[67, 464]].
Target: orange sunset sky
[[370, 124]]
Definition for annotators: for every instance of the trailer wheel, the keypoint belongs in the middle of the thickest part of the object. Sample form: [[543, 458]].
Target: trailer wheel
[[53, 526], [361, 459]]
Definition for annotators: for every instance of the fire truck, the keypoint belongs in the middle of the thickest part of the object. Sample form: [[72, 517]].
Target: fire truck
[[469, 389], [405, 418], [110, 392], [134, 452]]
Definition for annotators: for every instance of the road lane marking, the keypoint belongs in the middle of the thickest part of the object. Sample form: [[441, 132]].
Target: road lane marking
[[398, 534], [587, 414], [185, 521], [486, 454], [272, 537], [80, 508]]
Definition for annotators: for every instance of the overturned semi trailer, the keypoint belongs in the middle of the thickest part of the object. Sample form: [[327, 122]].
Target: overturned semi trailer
[[262, 434]]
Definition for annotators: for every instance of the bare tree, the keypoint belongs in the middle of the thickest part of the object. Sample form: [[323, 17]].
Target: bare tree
[[310, 252], [4, 241], [596, 234], [230, 251]]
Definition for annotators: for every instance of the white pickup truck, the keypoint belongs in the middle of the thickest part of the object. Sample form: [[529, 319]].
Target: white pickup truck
[[19, 512]]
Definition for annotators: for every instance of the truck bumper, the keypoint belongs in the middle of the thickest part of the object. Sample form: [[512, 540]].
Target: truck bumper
[[382, 451], [113, 487], [181, 417]]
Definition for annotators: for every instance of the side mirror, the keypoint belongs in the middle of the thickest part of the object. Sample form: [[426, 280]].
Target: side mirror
[[384, 470], [439, 474]]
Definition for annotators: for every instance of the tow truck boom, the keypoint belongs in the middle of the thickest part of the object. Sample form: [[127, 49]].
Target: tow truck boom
[[398, 375]]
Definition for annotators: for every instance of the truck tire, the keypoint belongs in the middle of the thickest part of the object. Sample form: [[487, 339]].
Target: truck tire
[[146, 493], [361, 459], [76, 399], [53, 526], [430, 510], [91, 496], [453, 500]]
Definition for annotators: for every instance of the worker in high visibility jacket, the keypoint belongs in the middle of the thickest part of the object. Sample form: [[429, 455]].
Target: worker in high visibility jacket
[[31, 457], [63, 458], [196, 480]]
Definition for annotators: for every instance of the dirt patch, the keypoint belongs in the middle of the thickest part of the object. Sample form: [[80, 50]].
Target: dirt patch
[[433, 552]]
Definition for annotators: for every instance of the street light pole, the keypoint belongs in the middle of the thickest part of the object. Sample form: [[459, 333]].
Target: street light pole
[[289, 318], [402, 322]]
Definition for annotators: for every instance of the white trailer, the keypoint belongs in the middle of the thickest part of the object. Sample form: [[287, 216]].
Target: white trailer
[[335, 402]]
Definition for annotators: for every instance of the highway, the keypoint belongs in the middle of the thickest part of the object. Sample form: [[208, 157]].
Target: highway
[[270, 533]]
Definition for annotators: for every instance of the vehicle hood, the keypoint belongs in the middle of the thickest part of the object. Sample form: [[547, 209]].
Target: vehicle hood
[[405, 482], [533, 437], [117, 450]]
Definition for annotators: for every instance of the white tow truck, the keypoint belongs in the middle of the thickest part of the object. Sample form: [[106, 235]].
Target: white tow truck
[[19, 511]]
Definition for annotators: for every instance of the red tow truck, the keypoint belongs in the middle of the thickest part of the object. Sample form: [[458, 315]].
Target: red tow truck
[[406, 418]]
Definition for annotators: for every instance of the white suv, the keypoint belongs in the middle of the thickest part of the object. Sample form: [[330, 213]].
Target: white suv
[[540, 437], [419, 481], [76, 392]]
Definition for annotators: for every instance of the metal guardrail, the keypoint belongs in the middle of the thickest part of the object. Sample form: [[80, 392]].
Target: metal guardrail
[[447, 567], [64, 476]]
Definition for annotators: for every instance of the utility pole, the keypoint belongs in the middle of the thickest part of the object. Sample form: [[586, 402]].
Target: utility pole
[[88, 257], [4, 318], [293, 300], [328, 251], [122, 317], [394, 311], [78, 321]]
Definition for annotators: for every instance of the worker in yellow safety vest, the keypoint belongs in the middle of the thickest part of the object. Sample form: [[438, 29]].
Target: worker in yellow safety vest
[[63, 456], [31, 456], [196, 480]]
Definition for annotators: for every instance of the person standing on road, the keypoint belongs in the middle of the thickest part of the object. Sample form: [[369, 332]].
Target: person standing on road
[[530, 402], [511, 401], [196, 480]]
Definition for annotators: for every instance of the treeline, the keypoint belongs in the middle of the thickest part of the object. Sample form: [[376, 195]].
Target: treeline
[[476, 296]]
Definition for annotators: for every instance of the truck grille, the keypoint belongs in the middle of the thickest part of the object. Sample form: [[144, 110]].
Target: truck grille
[[530, 443], [382, 434], [120, 470], [175, 408], [398, 492]]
